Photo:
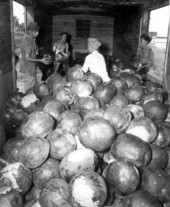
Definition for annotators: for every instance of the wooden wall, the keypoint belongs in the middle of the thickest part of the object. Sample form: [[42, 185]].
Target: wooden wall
[[100, 28], [6, 72], [126, 32], [145, 21], [44, 20], [166, 75], [5, 37]]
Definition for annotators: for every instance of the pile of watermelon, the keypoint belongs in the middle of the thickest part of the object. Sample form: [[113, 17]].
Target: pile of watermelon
[[76, 141]]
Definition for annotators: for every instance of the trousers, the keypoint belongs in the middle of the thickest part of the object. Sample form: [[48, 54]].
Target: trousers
[[26, 81]]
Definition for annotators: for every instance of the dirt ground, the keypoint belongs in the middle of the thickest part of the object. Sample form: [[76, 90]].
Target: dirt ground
[[159, 49]]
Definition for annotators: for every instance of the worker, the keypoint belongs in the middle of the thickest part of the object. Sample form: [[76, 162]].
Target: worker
[[95, 62], [145, 56], [61, 50], [29, 73]]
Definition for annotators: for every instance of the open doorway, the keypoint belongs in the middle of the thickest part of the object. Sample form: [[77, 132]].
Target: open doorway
[[19, 27], [158, 29]]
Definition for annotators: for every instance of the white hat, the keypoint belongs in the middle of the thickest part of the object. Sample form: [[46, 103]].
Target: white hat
[[94, 43]]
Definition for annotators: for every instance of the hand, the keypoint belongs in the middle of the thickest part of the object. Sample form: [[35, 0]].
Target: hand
[[45, 61], [57, 58], [139, 68]]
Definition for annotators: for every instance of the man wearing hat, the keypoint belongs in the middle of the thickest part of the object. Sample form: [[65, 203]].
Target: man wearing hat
[[95, 61], [28, 73], [145, 56]]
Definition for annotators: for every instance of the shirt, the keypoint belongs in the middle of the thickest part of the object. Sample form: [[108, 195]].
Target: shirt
[[96, 64], [28, 44]]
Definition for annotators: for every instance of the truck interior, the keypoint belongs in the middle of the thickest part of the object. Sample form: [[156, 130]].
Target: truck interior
[[118, 24]]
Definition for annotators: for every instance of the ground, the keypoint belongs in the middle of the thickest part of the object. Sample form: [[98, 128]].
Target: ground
[[159, 49]]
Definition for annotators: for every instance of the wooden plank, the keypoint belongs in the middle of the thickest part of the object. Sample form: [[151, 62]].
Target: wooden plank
[[6, 87], [166, 74], [145, 22], [71, 18], [101, 28], [110, 2], [6, 67], [126, 32], [5, 37]]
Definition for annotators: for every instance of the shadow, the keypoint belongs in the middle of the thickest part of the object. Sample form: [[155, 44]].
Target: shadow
[[104, 49], [80, 57], [69, 37], [47, 70]]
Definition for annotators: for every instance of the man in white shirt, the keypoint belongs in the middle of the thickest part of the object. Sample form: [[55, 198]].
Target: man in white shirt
[[95, 61]]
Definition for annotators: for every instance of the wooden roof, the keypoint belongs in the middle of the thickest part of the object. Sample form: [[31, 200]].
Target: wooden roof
[[96, 7]]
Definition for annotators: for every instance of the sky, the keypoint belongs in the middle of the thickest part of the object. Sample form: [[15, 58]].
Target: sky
[[159, 18], [18, 10], [159, 21]]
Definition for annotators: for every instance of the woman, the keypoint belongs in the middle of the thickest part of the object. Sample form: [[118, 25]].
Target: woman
[[145, 56], [95, 61]]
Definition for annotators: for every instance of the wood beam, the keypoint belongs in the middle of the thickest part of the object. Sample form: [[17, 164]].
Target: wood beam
[[148, 4], [155, 4], [110, 2]]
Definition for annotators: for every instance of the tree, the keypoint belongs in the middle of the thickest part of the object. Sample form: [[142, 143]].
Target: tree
[[22, 26], [16, 21]]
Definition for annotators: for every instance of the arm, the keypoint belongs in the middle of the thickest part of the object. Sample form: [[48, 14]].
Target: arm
[[29, 58], [137, 57], [27, 46], [54, 47], [151, 60], [105, 77], [85, 67], [66, 53], [67, 49]]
